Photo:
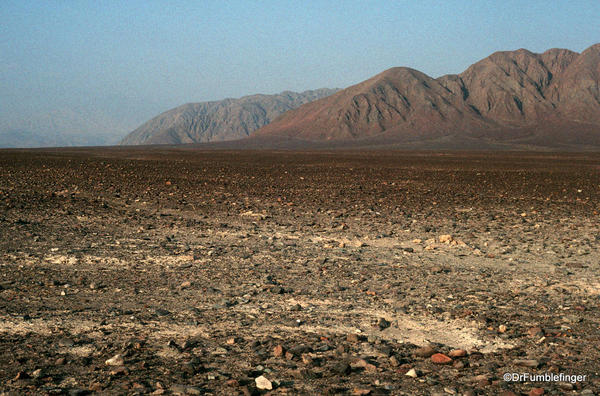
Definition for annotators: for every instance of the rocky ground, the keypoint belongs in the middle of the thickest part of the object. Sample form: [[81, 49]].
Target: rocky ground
[[126, 271]]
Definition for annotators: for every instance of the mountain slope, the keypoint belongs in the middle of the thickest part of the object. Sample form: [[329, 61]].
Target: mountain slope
[[227, 119], [515, 96]]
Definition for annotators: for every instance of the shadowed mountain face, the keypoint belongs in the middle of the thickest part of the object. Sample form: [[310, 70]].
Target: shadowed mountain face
[[223, 120], [517, 97]]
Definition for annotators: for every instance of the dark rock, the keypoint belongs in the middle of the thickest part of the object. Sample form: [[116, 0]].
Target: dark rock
[[341, 368]]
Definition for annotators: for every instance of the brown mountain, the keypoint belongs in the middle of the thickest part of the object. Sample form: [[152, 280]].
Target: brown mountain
[[227, 119], [511, 97]]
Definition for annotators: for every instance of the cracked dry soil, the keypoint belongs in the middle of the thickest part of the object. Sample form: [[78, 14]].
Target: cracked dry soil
[[179, 271]]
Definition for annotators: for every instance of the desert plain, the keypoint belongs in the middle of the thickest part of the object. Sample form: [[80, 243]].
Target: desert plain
[[183, 271]]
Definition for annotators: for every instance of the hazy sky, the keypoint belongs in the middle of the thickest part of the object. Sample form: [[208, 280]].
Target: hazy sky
[[143, 57]]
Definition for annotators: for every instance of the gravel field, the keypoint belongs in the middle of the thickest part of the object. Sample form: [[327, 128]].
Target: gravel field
[[180, 271]]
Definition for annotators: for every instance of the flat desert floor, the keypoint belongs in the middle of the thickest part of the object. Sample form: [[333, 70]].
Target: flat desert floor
[[180, 271]]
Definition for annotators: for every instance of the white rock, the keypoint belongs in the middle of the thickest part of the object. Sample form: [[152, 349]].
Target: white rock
[[263, 383], [412, 373], [116, 360], [446, 238]]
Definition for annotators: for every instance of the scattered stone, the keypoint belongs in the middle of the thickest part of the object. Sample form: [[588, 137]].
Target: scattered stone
[[193, 390], [383, 324], [119, 370], [116, 360], [341, 368], [39, 373], [527, 362], [446, 238], [174, 345], [364, 364], [66, 342], [412, 373], [185, 390], [457, 353], [458, 364], [187, 344], [535, 332], [162, 312], [277, 290], [536, 392], [263, 383], [219, 351], [481, 379], [352, 337], [307, 359], [440, 358], [425, 351], [295, 323], [185, 285], [278, 351], [417, 290], [21, 375], [565, 386]]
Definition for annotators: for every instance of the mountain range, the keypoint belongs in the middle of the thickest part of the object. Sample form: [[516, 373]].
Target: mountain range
[[513, 97], [510, 99], [228, 119]]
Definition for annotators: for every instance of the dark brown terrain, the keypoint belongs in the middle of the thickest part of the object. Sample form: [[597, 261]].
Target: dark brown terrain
[[180, 271], [518, 99]]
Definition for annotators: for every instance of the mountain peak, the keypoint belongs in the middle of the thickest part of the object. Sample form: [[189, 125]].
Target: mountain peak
[[227, 119], [593, 48], [509, 94]]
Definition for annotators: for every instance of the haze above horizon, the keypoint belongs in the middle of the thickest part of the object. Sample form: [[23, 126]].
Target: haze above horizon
[[126, 62]]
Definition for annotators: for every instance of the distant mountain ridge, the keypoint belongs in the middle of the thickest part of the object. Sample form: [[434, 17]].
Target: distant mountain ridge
[[517, 97], [62, 127], [222, 120]]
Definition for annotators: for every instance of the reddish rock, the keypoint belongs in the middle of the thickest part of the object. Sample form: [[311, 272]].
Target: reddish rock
[[457, 353], [364, 364], [278, 351], [440, 358], [536, 392]]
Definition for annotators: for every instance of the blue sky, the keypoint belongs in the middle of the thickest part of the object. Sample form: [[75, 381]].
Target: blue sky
[[137, 58]]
